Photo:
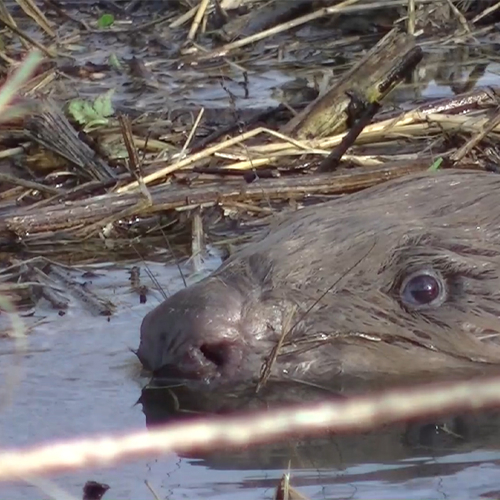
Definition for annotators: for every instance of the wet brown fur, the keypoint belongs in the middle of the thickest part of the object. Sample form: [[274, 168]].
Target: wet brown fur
[[358, 249]]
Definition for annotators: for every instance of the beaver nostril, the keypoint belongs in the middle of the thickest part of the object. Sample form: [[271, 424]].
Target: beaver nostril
[[216, 353]]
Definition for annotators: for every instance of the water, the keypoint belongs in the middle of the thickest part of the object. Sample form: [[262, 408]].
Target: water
[[81, 379]]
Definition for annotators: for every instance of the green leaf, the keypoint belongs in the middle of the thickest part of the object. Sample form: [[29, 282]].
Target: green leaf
[[92, 115], [103, 105], [115, 63], [81, 111], [435, 166], [105, 21]]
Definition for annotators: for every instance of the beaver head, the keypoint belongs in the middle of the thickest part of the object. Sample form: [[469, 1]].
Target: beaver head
[[400, 280]]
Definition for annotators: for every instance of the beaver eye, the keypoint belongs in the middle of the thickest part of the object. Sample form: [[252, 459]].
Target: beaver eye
[[423, 288]]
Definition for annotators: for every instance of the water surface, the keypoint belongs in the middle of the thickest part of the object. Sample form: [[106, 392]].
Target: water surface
[[81, 379]]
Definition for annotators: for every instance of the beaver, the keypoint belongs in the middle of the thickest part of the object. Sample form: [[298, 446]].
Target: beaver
[[400, 280]]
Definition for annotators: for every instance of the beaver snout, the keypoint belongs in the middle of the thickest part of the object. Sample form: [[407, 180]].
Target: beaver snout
[[197, 334]]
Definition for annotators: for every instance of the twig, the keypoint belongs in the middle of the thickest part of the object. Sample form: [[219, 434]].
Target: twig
[[202, 8], [326, 11], [357, 413]]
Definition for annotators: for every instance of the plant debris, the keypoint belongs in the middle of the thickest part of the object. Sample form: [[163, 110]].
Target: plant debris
[[195, 125]]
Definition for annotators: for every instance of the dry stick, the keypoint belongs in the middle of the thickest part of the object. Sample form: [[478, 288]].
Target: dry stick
[[191, 159], [212, 150], [5, 14], [378, 129], [317, 146], [369, 80], [25, 36], [247, 164], [10, 194], [109, 207], [40, 82], [184, 18], [31, 9], [403, 125], [326, 11], [373, 130], [4, 57], [411, 17], [356, 413], [488, 127], [16, 181], [193, 130], [197, 238], [96, 304], [450, 122], [332, 161], [269, 362], [11, 87], [133, 163], [407, 65], [459, 16], [460, 103], [197, 19], [151, 489], [286, 491], [378, 160], [486, 12]]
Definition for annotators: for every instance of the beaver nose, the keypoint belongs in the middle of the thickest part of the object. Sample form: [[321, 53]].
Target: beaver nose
[[215, 358], [194, 334], [218, 353]]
